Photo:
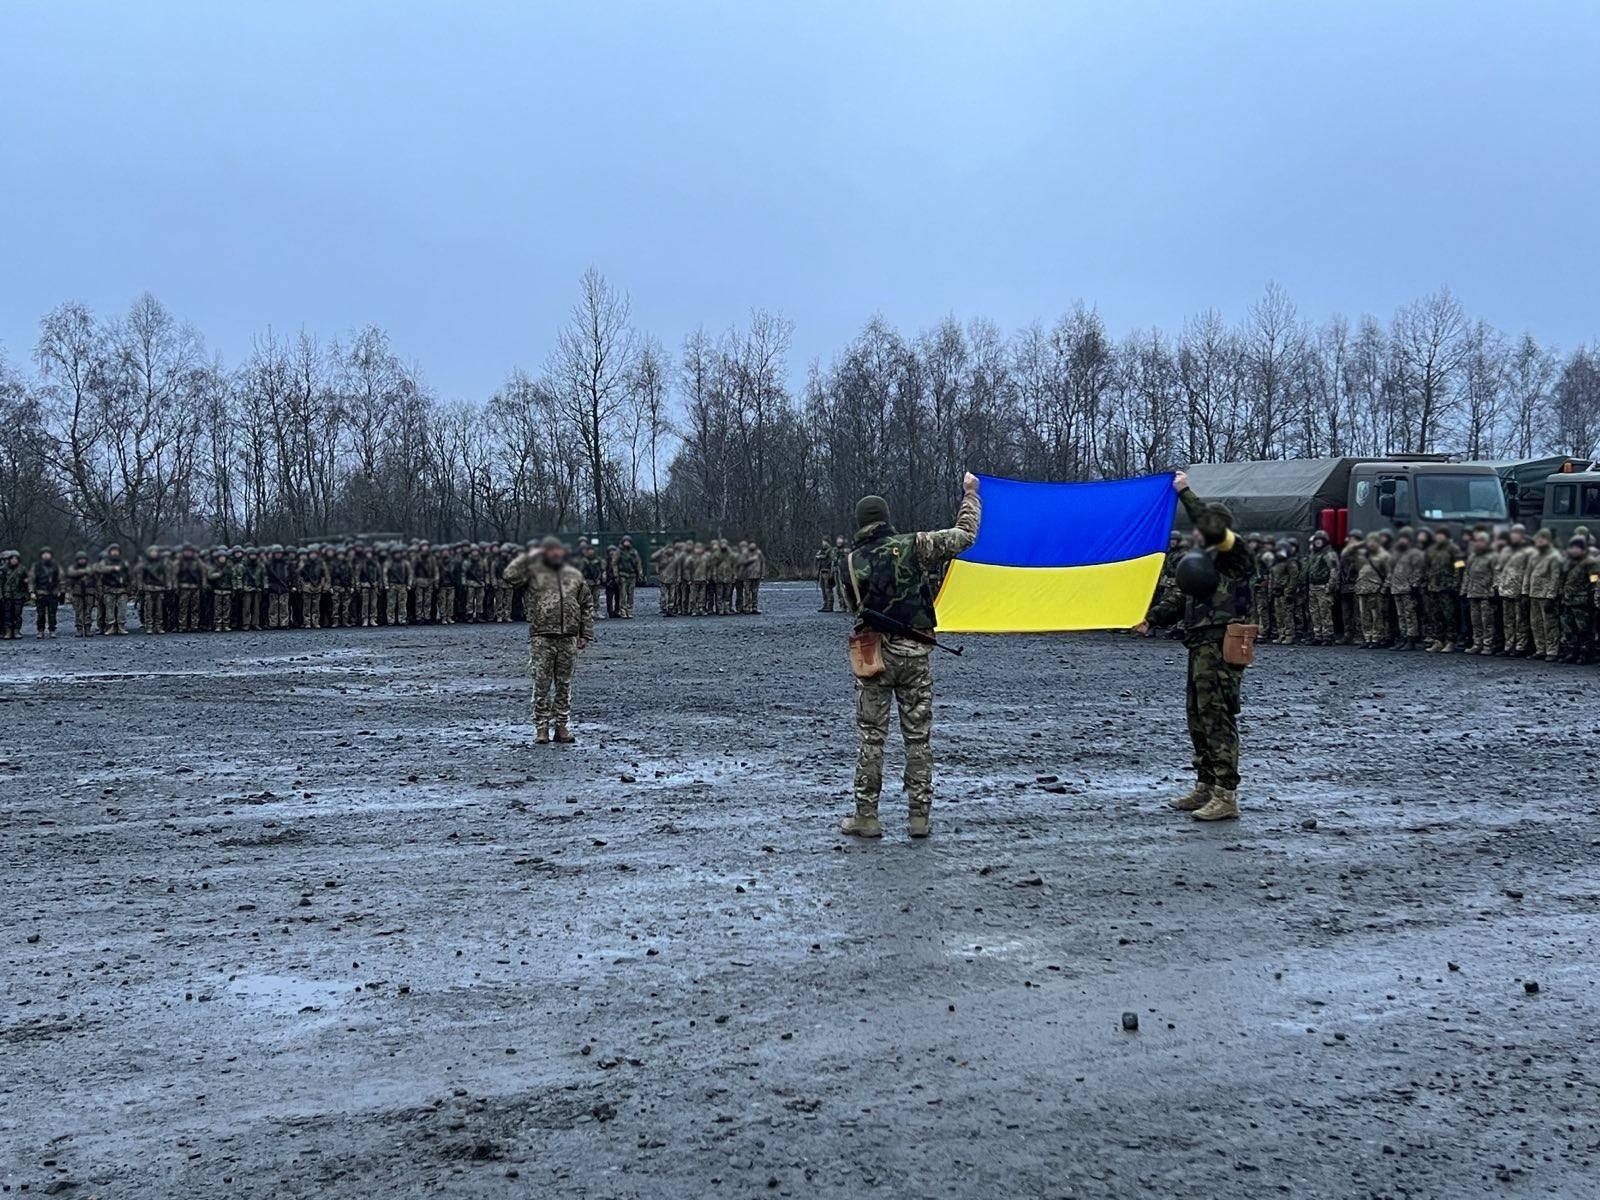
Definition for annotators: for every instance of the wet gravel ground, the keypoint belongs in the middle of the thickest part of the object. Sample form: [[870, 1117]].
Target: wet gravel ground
[[308, 915]]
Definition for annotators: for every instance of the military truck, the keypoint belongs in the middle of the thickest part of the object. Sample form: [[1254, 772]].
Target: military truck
[[1558, 493], [1297, 497]]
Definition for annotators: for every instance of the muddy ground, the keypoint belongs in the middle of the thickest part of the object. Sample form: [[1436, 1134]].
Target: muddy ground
[[307, 915]]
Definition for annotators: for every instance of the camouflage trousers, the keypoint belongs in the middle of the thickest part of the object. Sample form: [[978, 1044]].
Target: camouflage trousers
[[114, 612], [680, 598], [1577, 631], [83, 610], [1407, 618], [1374, 620], [447, 605], [1350, 610], [907, 681], [367, 600], [311, 609], [750, 602], [825, 582], [250, 609], [1212, 702], [422, 602], [1322, 603], [502, 604], [625, 586], [1440, 611], [665, 593], [472, 602], [338, 607], [1544, 628], [1483, 615], [151, 603], [188, 610], [221, 611], [697, 598], [395, 604], [1283, 618], [277, 610], [551, 661], [1514, 623]]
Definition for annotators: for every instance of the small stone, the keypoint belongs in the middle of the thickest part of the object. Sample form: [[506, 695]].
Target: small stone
[[1130, 1022], [1453, 966], [1531, 986], [1309, 824]]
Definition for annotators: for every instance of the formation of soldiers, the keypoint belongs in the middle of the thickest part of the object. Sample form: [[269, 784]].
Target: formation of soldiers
[[710, 579], [831, 578], [1509, 594], [223, 588]]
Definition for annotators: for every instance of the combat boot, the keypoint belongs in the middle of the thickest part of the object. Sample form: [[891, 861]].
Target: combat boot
[[864, 824], [542, 738], [1195, 798], [918, 825], [563, 737], [1223, 806]]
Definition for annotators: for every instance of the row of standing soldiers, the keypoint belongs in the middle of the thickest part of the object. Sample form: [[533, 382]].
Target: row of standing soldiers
[[252, 587], [710, 579], [1504, 593]]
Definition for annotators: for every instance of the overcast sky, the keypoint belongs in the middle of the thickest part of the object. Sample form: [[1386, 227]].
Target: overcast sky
[[448, 171]]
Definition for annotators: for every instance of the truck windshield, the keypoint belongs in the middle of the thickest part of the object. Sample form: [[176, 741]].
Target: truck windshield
[[1444, 497]]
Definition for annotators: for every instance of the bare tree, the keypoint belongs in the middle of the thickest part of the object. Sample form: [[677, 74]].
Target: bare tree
[[591, 369]]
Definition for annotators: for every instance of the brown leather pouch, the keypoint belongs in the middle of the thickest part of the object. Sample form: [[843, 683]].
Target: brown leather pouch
[[866, 654], [1239, 644]]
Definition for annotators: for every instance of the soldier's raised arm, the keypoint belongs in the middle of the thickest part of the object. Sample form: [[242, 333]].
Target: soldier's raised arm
[[941, 545], [516, 572]]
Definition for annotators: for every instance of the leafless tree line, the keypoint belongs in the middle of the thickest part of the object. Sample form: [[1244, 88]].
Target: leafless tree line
[[128, 429]]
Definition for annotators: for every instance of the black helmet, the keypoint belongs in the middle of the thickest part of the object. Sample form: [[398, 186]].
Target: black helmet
[[1196, 574]]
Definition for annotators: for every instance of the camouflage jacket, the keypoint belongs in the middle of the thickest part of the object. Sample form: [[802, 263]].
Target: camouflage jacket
[[1371, 571], [1322, 571], [1578, 576], [1406, 570], [1543, 578], [152, 576], [1205, 621], [1440, 566], [1480, 576], [629, 564], [114, 574], [933, 549], [560, 602], [1512, 579], [14, 582], [83, 583], [45, 579], [827, 564]]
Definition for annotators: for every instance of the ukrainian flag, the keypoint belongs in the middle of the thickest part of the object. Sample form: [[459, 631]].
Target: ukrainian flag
[[1054, 556]]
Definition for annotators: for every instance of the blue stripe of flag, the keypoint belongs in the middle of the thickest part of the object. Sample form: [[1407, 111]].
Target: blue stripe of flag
[[1072, 524]]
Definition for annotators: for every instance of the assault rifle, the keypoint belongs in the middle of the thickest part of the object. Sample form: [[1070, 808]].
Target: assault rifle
[[887, 624]]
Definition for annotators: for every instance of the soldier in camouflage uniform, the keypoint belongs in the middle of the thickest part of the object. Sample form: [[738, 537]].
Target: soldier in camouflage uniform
[[1511, 588], [630, 570], [396, 586], [222, 576], [1407, 568], [424, 583], [1214, 687], [1439, 591], [699, 579], [252, 585], [1479, 591], [593, 570], [1580, 575], [152, 591], [472, 579], [722, 572], [755, 570], [1542, 589], [1350, 556], [1322, 583], [891, 573], [1371, 563], [115, 577], [827, 574], [46, 584], [560, 624], [313, 586], [83, 592], [13, 594], [280, 582], [666, 562], [1282, 575]]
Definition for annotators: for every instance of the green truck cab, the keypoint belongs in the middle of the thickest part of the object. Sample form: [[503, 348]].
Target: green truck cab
[[1558, 493]]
